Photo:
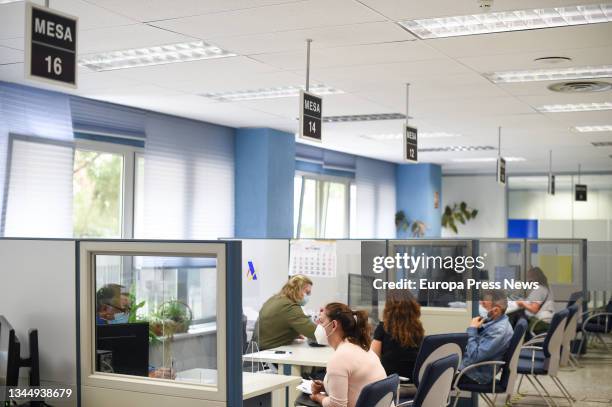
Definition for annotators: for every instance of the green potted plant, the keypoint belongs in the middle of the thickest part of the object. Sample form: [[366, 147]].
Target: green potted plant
[[458, 212], [170, 318]]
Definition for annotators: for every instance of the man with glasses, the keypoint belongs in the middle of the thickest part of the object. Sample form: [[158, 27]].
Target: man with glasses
[[109, 305]]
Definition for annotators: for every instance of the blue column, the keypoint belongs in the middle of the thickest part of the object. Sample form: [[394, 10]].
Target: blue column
[[416, 187], [265, 167]]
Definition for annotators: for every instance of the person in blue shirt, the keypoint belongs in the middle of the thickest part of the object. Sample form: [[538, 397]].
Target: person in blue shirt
[[488, 337]]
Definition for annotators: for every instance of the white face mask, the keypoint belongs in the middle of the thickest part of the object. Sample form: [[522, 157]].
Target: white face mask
[[321, 334]]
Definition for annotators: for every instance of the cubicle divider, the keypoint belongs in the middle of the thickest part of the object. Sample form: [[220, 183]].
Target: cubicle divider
[[145, 359]]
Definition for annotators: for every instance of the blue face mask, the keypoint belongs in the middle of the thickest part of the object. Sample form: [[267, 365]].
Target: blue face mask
[[305, 300], [120, 318], [482, 311]]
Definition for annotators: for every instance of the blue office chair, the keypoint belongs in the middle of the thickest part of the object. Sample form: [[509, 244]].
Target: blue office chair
[[543, 360], [596, 323], [508, 367], [435, 386], [436, 347], [570, 334], [382, 393]]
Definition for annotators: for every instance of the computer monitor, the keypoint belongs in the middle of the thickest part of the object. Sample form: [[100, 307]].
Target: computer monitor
[[9, 356], [128, 345]]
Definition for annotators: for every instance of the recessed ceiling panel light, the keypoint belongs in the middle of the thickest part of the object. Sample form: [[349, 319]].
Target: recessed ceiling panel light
[[592, 129], [269, 93], [162, 54], [575, 107], [553, 60], [486, 159], [505, 21], [365, 117], [9, 1], [455, 148], [532, 75], [398, 136]]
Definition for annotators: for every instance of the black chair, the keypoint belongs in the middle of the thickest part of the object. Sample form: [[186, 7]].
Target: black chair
[[435, 385], [543, 360], [382, 393], [508, 367]]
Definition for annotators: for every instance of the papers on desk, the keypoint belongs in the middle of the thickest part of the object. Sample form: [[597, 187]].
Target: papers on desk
[[270, 354], [305, 387]]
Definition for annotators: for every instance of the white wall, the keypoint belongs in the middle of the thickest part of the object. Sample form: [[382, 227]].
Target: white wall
[[37, 290], [480, 192]]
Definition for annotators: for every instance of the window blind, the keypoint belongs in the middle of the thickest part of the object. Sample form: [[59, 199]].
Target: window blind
[[37, 150], [375, 183], [102, 118], [188, 180]]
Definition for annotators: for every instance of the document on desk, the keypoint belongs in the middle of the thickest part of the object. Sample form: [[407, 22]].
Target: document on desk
[[305, 387], [271, 354]]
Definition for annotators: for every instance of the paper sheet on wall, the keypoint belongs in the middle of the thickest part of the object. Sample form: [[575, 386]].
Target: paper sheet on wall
[[313, 258]]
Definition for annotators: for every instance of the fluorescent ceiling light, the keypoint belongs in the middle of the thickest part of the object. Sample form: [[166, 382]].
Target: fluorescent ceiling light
[[575, 107], [505, 21], [398, 136], [269, 93], [9, 1], [162, 54], [456, 148], [584, 72], [486, 159], [365, 117], [591, 129]]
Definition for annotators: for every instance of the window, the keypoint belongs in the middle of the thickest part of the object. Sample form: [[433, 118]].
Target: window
[[103, 190], [322, 206]]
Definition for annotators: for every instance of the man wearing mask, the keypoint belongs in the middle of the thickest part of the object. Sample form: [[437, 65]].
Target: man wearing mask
[[109, 307], [281, 318], [488, 337]]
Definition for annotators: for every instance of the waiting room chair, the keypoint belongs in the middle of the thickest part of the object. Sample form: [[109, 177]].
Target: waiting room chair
[[436, 347], [382, 393], [596, 323], [569, 335], [508, 367], [541, 356], [435, 385]]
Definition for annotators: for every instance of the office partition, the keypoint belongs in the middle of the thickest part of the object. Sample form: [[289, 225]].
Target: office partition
[[504, 259], [172, 336]]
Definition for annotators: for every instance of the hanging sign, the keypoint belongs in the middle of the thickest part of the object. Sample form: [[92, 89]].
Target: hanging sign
[[551, 184], [411, 145], [311, 107], [51, 44], [501, 171], [581, 192]]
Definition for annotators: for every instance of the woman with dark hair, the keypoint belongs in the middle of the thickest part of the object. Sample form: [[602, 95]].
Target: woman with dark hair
[[398, 337], [540, 304], [352, 366]]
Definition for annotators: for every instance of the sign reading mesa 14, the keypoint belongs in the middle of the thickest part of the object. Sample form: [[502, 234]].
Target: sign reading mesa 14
[[51, 43]]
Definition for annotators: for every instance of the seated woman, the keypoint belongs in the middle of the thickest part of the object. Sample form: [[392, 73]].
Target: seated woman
[[352, 366], [540, 304], [281, 318], [398, 337]]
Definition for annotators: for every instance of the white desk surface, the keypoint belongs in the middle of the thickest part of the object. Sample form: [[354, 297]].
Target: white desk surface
[[253, 384], [301, 355]]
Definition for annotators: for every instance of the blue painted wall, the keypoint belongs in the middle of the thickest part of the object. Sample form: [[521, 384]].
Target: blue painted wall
[[416, 185], [265, 167]]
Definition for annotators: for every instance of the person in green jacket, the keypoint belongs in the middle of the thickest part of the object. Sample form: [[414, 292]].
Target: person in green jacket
[[281, 318]]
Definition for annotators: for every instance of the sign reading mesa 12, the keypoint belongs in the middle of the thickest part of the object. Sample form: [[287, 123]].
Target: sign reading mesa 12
[[51, 43]]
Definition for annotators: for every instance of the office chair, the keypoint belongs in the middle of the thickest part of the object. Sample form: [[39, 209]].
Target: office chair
[[596, 323], [436, 347], [379, 394], [435, 386], [544, 360], [508, 367], [570, 335]]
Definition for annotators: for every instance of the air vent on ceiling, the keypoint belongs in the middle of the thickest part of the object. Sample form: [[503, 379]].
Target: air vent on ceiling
[[580, 86], [365, 117], [455, 148], [602, 143], [553, 60]]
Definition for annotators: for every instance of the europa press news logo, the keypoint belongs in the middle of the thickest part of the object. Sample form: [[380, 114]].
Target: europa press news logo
[[250, 274]]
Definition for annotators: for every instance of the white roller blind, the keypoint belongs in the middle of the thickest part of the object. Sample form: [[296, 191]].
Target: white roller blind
[[375, 183], [39, 200], [188, 180]]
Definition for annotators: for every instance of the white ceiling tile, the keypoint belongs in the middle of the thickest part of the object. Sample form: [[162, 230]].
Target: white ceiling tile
[[327, 37], [14, 43], [125, 37], [10, 56], [91, 16], [283, 17], [12, 20], [148, 10]]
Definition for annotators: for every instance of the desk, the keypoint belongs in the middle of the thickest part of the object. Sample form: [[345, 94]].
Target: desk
[[291, 363], [254, 385]]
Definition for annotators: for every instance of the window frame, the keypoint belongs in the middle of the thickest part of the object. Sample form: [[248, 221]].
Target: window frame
[[320, 179], [128, 181]]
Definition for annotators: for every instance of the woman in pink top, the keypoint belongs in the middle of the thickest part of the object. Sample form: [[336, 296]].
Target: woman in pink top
[[352, 365]]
